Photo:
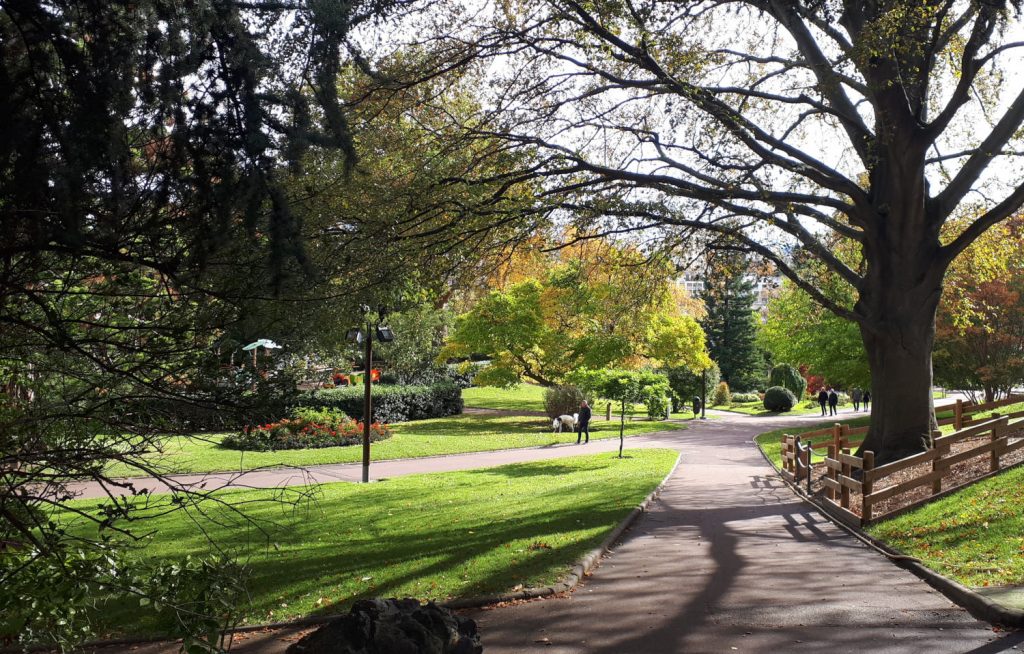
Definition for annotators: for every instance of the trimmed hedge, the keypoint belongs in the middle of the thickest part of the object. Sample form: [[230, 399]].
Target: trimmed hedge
[[390, 403]]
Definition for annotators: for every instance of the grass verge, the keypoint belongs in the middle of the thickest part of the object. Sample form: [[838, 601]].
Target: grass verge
[[435, 536], [975, 536], [451, 435], [757, 409]]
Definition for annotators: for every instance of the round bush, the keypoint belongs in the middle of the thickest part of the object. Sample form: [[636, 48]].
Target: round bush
[[657, 406], [562, 400], [788, 377], [779, 399]]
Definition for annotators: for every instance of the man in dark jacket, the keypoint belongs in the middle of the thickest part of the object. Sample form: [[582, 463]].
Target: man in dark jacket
[[823, 400], [833, 401], [583, 422]]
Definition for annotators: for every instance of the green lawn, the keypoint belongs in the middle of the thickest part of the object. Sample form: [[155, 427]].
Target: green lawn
[[757, 409], [433, 536], [770, 442], [451, 435], [524, 397], [975, 536]]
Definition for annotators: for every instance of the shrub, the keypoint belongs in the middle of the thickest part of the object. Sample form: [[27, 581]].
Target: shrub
[[788, 377], [722, 394], [305, 429], [745, 397], [562, 400], [778, 398], [390, 403], [657, 406]]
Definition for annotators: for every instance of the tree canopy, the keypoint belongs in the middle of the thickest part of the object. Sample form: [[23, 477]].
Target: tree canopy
[[777, 128], [610, 307]]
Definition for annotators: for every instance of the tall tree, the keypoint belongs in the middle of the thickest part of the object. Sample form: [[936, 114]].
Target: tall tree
[[980, 330], [730, 324], [774, 123], [142, 151]]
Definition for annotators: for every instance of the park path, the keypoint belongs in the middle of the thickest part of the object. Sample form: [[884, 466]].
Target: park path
[[727, 559]]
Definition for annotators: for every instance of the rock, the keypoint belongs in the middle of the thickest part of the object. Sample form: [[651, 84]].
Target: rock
[[393, 626]]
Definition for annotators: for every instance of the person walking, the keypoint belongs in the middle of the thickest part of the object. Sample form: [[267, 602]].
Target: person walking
[[833, 401], [583, 422], [856, 396], [823, 399], [867, 400]]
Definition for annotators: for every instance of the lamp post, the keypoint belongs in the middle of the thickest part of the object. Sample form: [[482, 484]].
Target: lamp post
[[704, 386], [385, 335]]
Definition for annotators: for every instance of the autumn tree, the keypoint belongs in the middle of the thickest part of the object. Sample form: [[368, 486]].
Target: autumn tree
[[979, 329], [612, 308], [767, 126]]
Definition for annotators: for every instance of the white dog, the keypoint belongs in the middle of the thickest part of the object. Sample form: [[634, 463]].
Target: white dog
[[565, 423]]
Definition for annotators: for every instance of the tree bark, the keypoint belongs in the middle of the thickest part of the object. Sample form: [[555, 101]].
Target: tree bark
[[898, 337]]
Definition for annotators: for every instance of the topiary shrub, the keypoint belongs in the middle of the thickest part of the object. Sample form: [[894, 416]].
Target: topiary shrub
[[722, 394], [390, 403], [305, 429], [779, 399], [562, 400], [788, 377]]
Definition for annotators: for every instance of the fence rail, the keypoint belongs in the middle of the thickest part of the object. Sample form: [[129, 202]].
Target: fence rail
[[847, 474]]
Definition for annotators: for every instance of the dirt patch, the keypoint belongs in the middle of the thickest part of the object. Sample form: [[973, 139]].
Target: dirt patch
[[957, 475]]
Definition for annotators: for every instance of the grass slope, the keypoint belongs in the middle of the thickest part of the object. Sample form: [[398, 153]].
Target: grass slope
[[757, 409], [452, 435], [975, 536], [431, 536]]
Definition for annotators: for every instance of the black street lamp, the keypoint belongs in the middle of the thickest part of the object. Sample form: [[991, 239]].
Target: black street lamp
[[704, 386], [365, 336]]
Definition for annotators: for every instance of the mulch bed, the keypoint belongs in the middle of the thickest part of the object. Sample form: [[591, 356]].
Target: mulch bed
[[959, 474]]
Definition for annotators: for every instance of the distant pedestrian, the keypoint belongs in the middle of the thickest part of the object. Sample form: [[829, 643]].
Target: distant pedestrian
[[583, 422], [823, 400], [833, 401], [856, 396], [867, 401]]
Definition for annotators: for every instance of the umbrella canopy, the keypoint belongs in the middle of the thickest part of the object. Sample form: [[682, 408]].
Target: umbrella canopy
[[262, 342]]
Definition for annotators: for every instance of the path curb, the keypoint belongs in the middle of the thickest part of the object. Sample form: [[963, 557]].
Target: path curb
[[975, 603], [569, 582]]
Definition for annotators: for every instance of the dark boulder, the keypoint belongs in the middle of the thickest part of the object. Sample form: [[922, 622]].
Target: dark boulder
[[393, 626]]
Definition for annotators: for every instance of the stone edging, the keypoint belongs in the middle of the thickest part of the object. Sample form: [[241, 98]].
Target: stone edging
[[976, 604], [583, 567]]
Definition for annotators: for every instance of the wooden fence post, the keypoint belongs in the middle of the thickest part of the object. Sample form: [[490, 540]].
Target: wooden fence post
[[997, 432], [958, 415], [866, 484], [608, 412], [937, 465], [837, 436], [830, 472], [844, 490]]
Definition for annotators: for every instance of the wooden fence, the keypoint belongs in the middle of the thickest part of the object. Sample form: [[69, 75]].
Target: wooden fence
[[847, 474]]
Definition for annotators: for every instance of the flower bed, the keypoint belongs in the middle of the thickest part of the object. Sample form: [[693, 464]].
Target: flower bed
[[305, 429]]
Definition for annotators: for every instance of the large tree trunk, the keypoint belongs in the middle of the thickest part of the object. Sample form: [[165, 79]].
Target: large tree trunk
[[899, 298], [899, 301]]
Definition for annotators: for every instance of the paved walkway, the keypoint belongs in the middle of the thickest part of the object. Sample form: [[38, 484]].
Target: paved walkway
[[727, 559]]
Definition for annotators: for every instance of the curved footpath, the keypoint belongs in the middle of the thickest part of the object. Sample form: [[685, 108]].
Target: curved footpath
[[727, 559]]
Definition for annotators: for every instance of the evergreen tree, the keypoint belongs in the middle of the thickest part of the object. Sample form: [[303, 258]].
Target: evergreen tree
[[729, 299]]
